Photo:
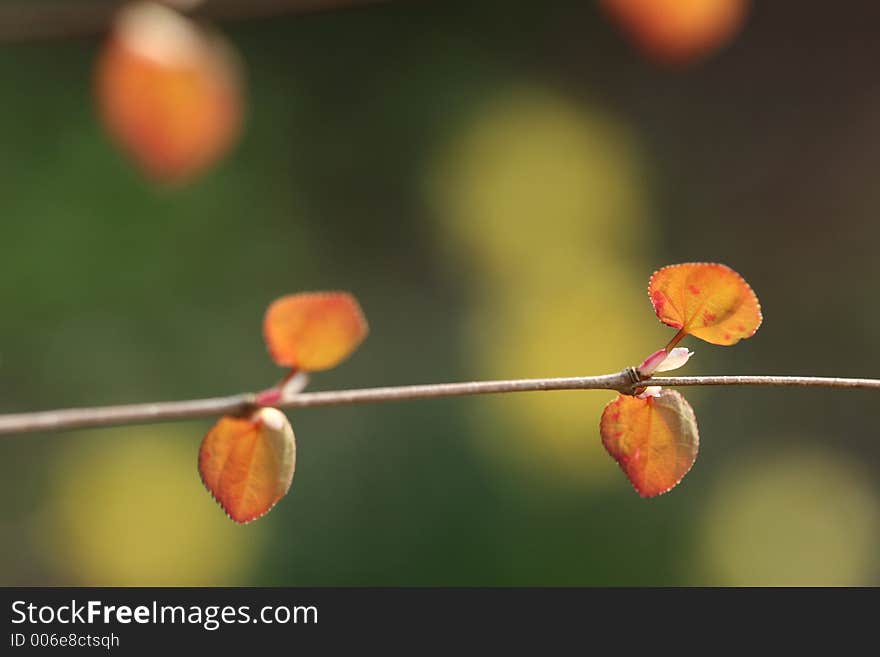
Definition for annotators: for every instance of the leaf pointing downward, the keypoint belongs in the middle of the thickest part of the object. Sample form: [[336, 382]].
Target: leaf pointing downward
[[654, 440], [247, 463]]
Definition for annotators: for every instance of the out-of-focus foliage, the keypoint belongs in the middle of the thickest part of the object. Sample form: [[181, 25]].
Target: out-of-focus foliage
[[791, 516], [678, 31], [494, 187], [168, 91], [125, 509]]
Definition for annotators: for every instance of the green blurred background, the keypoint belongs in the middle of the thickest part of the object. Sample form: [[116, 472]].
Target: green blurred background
[[495, 182]]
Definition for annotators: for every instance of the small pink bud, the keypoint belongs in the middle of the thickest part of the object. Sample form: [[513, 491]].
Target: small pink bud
[[650, 391], [295, 384], [268, 397], [676, 358], [652, 362], [660, 361]]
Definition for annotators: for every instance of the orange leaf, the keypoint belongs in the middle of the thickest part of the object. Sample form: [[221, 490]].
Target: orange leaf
[[314, 330], [707, 300], [247, 463], [678, 31], [169, 91], [653, 440]]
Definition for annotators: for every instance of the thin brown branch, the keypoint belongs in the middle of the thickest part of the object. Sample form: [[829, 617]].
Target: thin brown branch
[[108, 416], [625, 382], [31, 20], [789, 381]]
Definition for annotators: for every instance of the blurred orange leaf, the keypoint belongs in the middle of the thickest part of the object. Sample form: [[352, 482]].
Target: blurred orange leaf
[[678, 31], [314, 330], [169, 91], [707, 300], [654, 440], [247, 463]]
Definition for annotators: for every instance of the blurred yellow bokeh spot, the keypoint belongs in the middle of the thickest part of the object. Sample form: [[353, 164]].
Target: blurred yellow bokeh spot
[[535, 183], [127, 508], [539, 200], [797, 516]]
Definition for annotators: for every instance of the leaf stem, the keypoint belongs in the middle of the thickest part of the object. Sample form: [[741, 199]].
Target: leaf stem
[[678, 337]]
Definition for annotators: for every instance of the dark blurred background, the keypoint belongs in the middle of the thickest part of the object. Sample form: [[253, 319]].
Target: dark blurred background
[[495, 182]]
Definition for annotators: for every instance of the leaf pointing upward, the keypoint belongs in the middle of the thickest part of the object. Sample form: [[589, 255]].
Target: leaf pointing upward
[[707, 300]]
